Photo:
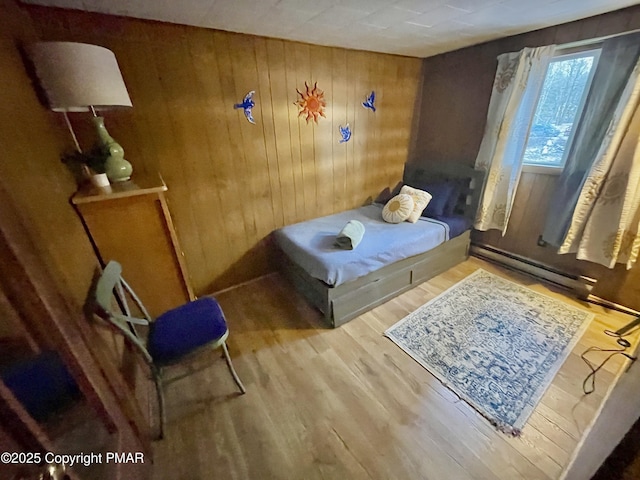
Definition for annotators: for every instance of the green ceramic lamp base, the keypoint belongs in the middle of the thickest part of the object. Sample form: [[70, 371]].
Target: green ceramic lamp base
[[116, 167]]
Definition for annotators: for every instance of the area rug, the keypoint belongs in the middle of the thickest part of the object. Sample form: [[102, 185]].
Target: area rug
[[494, 343]]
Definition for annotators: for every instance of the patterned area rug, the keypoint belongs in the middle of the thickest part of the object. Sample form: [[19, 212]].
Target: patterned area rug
[[496, 344]]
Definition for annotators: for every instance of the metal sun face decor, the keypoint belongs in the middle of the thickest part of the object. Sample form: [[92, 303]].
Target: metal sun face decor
[[311, 102], [247, 105]]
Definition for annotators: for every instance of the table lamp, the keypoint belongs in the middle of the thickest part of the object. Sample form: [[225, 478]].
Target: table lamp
[[78, 77]]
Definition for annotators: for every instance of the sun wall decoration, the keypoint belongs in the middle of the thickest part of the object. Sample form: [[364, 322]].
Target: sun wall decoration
[[311, 102]]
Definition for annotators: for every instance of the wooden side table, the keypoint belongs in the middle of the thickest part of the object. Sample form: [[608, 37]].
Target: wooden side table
[[130, 222]]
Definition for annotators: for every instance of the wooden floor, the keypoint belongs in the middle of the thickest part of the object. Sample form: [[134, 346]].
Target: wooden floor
[[349, 404]]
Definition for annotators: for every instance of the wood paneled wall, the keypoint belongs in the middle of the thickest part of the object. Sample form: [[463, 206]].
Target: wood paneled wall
[[39, 186], [36, 188], [231, 183], [455, 97]]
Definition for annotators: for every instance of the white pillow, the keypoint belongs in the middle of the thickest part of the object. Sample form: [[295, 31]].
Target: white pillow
[[398, 209], [420, 201]]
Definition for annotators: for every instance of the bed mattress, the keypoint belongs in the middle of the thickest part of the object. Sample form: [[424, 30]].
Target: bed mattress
[[310, 244]]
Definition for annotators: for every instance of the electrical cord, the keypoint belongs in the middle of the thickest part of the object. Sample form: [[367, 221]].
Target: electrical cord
[[620, 340]]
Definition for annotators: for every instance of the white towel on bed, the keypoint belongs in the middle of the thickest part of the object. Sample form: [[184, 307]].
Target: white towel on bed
[[350, 235]]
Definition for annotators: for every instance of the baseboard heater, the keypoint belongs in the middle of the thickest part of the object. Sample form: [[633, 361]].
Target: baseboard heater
[[579, 285]]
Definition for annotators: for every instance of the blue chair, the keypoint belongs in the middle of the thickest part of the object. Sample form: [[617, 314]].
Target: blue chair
[[174, 336]]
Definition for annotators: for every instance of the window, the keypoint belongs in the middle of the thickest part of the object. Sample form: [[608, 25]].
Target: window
[[559, 107]]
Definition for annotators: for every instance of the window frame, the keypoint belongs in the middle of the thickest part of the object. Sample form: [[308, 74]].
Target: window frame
[[560, 55]]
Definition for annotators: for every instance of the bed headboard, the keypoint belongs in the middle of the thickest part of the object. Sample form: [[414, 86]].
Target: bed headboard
[[471, 182]]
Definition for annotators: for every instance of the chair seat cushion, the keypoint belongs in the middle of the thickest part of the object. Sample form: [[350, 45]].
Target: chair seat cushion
[[184, 329]]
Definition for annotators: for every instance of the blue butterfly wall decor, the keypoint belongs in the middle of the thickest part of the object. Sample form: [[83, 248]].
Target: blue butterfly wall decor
[[368, 103], [345, 132], [247, 104]]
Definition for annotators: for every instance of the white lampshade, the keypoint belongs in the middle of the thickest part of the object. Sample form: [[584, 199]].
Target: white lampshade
[[77, 76]]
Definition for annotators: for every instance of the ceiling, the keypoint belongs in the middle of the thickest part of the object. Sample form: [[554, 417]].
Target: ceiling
[[417, 28]]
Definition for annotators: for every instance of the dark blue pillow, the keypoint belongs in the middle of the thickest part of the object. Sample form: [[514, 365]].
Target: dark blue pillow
[[441, 194], [42, 384], [449, 208], [387, 194]]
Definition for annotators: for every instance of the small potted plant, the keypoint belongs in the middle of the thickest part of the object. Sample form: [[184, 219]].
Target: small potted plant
[[89, 164]]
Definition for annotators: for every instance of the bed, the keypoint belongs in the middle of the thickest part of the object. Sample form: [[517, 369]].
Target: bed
[[391, 258]]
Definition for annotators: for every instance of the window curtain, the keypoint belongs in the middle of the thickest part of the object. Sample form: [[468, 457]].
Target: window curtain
[[605, 225], [617, 60], [516, 87]]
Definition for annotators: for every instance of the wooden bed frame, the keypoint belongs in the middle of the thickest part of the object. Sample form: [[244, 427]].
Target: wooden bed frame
[[348, 300]]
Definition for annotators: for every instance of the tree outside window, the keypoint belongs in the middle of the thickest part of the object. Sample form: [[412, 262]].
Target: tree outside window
[[562, 97]]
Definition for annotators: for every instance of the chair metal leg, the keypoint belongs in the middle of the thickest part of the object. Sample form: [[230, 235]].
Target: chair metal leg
[[161, 407], [231, 369]]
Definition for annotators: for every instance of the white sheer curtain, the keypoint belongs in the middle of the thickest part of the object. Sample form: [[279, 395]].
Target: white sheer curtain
[[513, 101], [606, 221]]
